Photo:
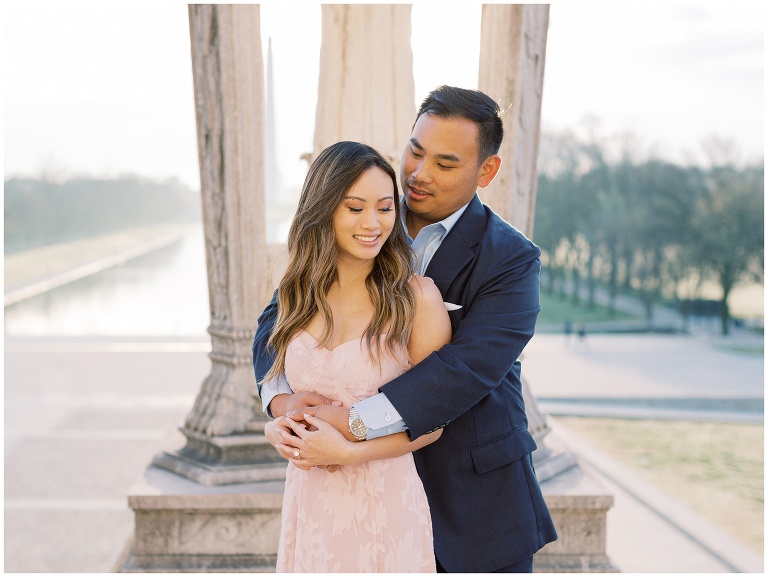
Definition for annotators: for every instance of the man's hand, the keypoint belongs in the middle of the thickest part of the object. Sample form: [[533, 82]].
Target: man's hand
[[280, 435], [283, 404], [334, 415], [278, 432]]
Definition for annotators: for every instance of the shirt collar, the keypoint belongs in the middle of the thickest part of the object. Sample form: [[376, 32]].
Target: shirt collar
[[447, 223]]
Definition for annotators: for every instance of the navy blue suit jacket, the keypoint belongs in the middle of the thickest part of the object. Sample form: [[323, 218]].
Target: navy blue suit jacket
[[487, 508]]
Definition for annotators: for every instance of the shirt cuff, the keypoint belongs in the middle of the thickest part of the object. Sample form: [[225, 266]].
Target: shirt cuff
[[395, 427], [273, 387], [380, 416]]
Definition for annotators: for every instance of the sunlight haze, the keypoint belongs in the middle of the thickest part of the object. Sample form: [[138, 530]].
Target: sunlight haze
[[104, 89]]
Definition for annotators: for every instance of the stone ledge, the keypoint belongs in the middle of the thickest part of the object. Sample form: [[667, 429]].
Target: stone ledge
[[200, 564], [183, 526], [573, 564], [252, 503], [579, 504], [159, 489]]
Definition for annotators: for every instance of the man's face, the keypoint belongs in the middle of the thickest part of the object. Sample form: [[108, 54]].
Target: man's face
[[439, 172]]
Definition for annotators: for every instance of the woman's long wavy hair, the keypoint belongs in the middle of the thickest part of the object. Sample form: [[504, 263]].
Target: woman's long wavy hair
[[313, 255]]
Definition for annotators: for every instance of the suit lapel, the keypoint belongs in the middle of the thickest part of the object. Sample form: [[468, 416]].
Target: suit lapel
[[457, 249]]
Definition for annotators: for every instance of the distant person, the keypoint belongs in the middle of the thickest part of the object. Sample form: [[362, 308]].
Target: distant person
[[581, 331], [487, 509], [568, 330], [352, 316]]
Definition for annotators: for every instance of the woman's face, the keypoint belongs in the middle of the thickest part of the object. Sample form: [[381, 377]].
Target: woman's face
[[365, 216]]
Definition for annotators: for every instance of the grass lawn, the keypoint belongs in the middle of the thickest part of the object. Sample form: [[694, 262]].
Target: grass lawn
[[714, 468], [557, 310], [742, 348]]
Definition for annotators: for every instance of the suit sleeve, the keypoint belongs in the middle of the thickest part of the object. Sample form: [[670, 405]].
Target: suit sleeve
[[499, 321], [263, 358]]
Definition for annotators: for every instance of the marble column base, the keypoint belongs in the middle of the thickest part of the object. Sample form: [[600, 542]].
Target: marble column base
[[244, 458]]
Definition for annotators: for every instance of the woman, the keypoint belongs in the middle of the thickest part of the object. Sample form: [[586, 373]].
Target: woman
[[352, 316]]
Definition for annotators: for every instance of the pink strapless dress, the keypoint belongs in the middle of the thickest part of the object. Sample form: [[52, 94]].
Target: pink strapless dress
[[371, 518]]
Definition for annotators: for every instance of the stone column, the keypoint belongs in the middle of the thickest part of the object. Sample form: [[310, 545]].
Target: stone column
[[512, 53], [512, 47], [512, 50], [272, 184], [222, 430], [366, 90], [184, 519]]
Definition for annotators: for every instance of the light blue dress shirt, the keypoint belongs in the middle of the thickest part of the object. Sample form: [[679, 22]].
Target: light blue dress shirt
[[378, 414]]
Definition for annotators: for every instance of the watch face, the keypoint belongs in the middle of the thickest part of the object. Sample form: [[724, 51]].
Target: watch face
[[358, 428]]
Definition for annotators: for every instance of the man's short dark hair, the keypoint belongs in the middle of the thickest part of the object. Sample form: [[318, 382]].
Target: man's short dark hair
[[451, 102]]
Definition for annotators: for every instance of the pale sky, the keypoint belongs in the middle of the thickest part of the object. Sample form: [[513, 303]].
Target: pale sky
[[105, 88]]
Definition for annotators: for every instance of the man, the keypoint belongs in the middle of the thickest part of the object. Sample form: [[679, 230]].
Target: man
[[488, 513]]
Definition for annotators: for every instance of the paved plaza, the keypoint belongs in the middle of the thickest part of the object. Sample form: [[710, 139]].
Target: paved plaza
[[83, 418], [699, 377], [82, 422]]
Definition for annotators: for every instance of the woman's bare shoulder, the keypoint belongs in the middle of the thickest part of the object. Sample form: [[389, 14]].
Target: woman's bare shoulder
[[426, 291]]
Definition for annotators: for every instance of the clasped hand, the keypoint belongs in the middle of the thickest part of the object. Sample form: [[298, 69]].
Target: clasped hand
[[314, 433]]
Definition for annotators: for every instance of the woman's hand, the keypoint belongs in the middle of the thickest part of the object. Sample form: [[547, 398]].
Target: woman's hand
[[319, 447]]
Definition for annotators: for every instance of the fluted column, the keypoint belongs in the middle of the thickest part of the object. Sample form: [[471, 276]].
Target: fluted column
[[366, 89], [184, 519], [512, 50], [224, 430]]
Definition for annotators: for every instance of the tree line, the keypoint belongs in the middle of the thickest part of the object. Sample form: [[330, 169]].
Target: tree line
[[42, 211], [630, 223]]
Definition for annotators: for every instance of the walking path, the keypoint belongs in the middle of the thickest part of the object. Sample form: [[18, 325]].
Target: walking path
[[85, 417], [648, 376]]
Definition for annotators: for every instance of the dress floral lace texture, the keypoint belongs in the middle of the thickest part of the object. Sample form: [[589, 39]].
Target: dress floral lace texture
[[372, 517]]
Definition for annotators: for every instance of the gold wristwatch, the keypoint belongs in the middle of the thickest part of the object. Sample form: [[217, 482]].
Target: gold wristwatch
[[357, 426]]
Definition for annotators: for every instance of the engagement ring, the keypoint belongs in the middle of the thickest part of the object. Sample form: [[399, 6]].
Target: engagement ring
[[296, 453]]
